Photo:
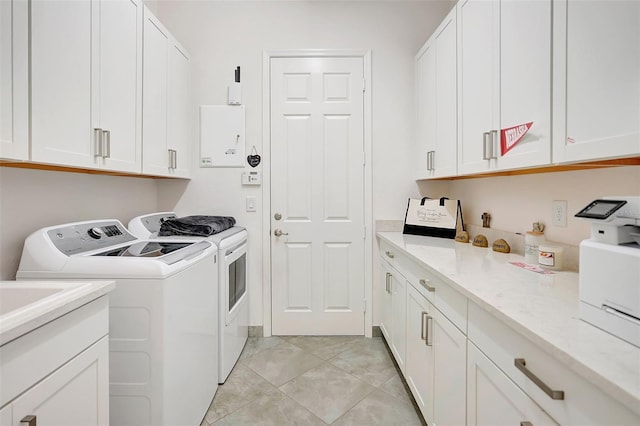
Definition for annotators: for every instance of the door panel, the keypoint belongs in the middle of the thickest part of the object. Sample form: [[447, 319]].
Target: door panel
[[317, 181]]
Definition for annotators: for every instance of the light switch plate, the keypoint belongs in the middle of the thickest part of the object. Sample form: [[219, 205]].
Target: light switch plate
[[251, 203]]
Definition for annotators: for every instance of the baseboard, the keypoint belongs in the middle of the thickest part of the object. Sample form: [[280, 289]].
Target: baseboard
[[256, 331], [375, 331]]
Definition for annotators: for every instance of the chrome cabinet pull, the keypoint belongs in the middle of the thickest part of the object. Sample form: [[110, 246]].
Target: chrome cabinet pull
[[97, 136], [170, 158], [425, 283], [521, 365], [29, 420], [526, 424], [389, 254], [175, 159], [433, 160], [429, 340], [423, 326], [486, 140], [386, 282], [106, 144], [494, 144]]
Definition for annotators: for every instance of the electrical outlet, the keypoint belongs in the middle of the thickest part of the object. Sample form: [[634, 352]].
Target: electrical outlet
[[559, 213]]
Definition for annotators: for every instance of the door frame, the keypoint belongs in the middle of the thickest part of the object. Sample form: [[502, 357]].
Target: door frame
[[266, 170]]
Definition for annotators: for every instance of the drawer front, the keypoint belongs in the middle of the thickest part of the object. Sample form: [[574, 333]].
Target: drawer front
[[449, 301], [583, 403], [388, 252]]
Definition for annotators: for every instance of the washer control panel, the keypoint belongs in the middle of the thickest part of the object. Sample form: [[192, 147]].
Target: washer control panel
[[88, 236]]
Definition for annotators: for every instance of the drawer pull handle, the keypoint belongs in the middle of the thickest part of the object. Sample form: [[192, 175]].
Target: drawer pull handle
[[425, 284], [429, 340], [526, 424], [29, 421], [521, 365], [389, 254]]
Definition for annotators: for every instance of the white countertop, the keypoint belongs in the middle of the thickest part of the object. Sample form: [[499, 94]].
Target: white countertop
[[31, 304], [543, 308]]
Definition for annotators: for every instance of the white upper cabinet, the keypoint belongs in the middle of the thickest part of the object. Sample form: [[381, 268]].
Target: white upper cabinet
[[436, 102], [165, 120], [86, 83], [504, 84], [596, 80], [14, 83]]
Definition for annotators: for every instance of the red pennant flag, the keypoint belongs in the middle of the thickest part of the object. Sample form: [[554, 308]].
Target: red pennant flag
[[510, 136]]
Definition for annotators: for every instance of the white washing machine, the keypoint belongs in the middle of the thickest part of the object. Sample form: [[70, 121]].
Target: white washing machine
[[163, 367], [233, 295]]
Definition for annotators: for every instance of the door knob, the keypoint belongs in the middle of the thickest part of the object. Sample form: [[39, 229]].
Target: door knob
[[279, 233]]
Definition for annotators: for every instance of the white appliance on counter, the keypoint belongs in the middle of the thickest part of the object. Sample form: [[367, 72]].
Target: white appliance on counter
[[162, 315], [233, 297], [610, 267]]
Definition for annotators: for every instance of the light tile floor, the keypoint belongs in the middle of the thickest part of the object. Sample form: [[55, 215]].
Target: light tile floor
[[332, 380]]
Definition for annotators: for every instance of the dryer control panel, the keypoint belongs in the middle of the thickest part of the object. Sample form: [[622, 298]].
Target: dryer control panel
[[88, 236]]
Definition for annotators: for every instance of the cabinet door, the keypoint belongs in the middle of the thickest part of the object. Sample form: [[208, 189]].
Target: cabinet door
[[154, 97], [596, 80], [118, 104], [420, 356], [525, 81], [385, 302], [61, 48], [444, 158], [399, 319], [478, 81], [493, 399], [425, 107], [178, 135], [450, 370], [77, 394], [14, 83]]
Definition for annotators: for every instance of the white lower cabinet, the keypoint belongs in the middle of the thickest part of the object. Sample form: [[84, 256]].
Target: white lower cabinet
[[72, 394], [494, 400], [59, 373], [394, 306], [435, 362]]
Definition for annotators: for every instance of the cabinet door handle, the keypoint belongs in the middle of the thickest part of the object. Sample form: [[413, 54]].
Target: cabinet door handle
[[486, 141], [175, 159], [433, 160], [526, 424], [425, 283], [386, 282], [429, 340], [29, 420], [389, 254], [423, 326], [494, 144], [106, 144], [521, 365], [97, 136]]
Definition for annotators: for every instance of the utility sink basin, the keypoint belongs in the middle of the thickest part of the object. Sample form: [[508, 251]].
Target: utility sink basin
[[12, 298], [26, 305]]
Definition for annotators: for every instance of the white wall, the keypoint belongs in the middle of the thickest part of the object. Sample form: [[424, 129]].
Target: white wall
[[221, 35], [33, 199], [515, 202]]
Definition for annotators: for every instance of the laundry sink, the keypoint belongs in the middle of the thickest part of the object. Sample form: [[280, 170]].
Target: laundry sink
[[26, 305], [12, 298]]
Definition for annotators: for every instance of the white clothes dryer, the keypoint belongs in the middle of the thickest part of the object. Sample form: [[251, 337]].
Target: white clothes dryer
[[163, 314], [233, 297]]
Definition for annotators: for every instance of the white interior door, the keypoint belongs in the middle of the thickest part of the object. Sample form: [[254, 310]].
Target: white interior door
[[317, 191]]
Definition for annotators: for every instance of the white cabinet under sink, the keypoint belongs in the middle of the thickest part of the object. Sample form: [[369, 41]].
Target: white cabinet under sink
[[504, 81], [165, 133], [86, 83], [59, 372], [596, 94], [14, 79]]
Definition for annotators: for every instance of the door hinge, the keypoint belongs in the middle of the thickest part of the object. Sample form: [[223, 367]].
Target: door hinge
[[364, 232], [364, 305], [364, 85], [364, 158]]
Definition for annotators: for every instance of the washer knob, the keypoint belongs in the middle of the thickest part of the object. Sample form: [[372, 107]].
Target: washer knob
[[96, 233]]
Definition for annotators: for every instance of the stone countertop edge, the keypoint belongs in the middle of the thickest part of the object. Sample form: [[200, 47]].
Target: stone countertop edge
[[80, 293], [542, 308]]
